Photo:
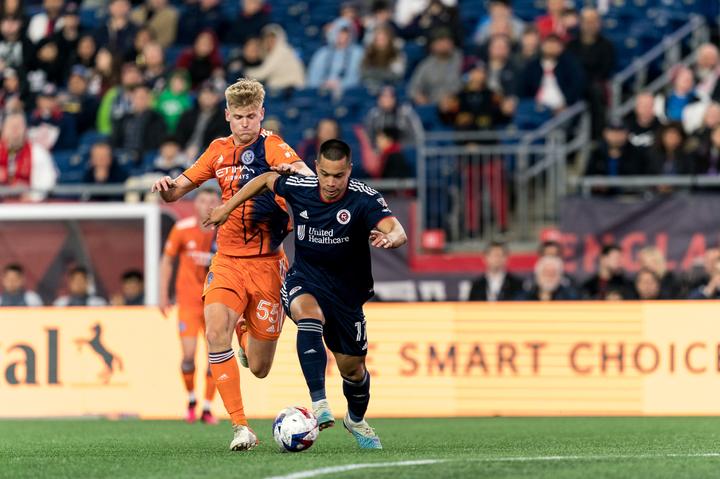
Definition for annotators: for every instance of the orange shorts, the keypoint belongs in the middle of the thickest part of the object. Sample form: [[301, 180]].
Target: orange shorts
[[251, 288], [191, 320]]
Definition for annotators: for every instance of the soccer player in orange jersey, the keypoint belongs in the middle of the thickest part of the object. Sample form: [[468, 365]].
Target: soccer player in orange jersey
[[247, 272], [194, 245]]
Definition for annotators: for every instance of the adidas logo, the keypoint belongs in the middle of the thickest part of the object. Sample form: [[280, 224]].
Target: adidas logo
[[310, 351], [304, 215], [223, 377]]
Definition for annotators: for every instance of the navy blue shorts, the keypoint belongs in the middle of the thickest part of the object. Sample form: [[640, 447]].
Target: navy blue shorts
[[344, 329]]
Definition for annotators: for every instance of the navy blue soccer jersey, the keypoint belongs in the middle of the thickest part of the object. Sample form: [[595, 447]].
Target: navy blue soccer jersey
[[332, 239]]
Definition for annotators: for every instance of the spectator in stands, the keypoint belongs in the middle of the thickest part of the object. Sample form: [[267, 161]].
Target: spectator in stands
[[439, 74], [10, 8], [117, 102], [200, 16], [501, 75], [647, 286], [243, 59], [643, 124], [380, 15], [85, 52], [308, 150], [670, 107], [479, 107], [15, 49], [407, 10], [14, 291], [707, 159], [171, 161], [160, 17], [615, 156], [142, 37], [553, 22], [551, 246], [206, 121], [383, 62], [527, 51], [77, 102], [103, 169], [548, 285], [132, 290], [105, 76], [707, 72], [11, 92], [596, 55], [711, 289], [175, 99], [203, 59], [499, 11], [69, 35], [610, 275], [152, 63], [47, 66], [281, 68], [22, 161], [44, 24], [142, 129], [336, 66], [118, 32], [555, 80], [49, 124], [389, 113], [437, 15], [653, 258], [348, 13], [668, 156], [496, 284], [253, 17], [79, 291], [388, 161], [702, 271]]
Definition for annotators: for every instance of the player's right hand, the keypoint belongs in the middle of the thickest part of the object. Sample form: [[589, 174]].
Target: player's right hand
[[216, 217], [285, 169], [163, 184], [165, 307]]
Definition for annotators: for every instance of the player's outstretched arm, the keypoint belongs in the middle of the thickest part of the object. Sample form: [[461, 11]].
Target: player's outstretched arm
[[252, 188], [172, 189], [166, 266], [389, 234]]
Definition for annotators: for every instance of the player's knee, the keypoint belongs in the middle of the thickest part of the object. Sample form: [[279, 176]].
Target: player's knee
[[216, 337], [260, 370], [354, 372], [187, 365]]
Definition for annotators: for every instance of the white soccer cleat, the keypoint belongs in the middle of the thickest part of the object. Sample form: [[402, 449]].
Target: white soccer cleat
[[244, 440], [324, 415], [363, 433]]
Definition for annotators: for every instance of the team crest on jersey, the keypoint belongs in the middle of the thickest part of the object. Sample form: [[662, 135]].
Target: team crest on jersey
[[247, 157], [343, 217], [301, 232]]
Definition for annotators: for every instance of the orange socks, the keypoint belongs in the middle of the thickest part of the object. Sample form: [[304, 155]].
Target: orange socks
[[226, 372], [209, 386], [189, 380]]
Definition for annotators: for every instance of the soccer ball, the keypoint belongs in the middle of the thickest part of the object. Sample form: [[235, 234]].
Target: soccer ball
[[295, 429]]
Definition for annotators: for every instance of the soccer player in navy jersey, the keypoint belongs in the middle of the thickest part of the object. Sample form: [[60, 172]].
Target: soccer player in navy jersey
[[336, 219]]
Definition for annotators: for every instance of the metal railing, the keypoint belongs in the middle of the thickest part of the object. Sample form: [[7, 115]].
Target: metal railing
[[643, 183], [477, 185], [692, 34]]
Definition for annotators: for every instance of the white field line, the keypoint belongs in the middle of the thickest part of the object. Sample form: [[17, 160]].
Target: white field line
[[352, 467]]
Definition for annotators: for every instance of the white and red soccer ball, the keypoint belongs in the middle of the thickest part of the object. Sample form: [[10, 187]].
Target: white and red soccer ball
[[295, 429]]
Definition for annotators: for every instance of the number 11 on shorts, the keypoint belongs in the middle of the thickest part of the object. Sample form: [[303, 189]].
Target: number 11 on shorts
[[361, 334]]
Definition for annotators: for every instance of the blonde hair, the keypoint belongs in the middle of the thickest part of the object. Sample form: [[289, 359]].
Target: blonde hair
[[245, 92]]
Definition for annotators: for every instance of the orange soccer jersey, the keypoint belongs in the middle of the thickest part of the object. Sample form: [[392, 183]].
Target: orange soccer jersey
[[194, 247], [259, 225]]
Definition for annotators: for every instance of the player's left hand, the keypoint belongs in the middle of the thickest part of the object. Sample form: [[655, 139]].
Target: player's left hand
[[380, 240], [216, 217]]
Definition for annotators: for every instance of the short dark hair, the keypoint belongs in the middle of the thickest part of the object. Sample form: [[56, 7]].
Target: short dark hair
[[549, 244], [132, 274], [497, 244], [78, 270], [609, 248], [335, 150], [15, 267]]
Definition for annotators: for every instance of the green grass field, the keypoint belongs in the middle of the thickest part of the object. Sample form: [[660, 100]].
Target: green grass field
[[437, 448]]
